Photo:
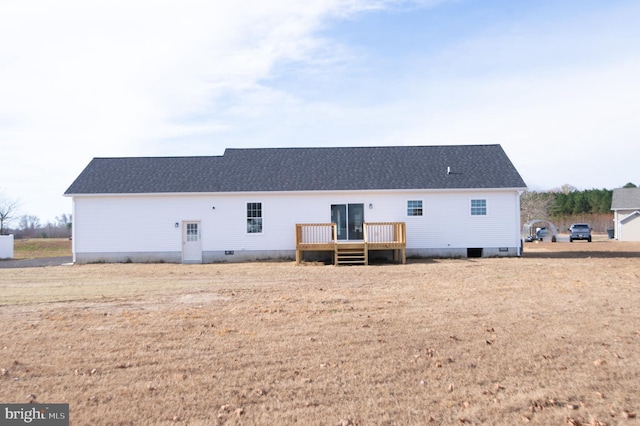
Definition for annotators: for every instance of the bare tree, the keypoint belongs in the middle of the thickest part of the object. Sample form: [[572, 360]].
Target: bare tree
[[65, 221], [535, 205], [8, 210], [29, 225], [567, 188]]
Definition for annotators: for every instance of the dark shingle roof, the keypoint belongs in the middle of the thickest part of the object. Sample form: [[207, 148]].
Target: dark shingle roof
[[626, 199], [304, 169]]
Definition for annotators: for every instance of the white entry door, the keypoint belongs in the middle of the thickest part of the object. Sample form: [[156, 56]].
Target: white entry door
[[191, 242]]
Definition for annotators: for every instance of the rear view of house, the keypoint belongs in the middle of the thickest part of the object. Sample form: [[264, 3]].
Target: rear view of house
[[451, 201]]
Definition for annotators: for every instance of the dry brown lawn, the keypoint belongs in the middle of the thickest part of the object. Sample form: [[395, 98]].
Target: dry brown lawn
[[549, 338]]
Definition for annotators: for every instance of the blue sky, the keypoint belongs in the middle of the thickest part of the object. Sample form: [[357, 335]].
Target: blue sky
[[554, 82]]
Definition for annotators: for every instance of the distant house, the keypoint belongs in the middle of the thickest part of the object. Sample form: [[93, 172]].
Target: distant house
[[426, 201], [626, 213]]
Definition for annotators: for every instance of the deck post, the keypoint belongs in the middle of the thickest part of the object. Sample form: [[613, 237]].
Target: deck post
[[366, 246], [335, 243], [298, 241]]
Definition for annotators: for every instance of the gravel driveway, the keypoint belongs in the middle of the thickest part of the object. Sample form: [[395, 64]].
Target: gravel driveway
[[32, 263]]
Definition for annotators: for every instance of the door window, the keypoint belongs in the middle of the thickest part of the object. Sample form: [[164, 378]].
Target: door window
[[339, 217], [192, 232]]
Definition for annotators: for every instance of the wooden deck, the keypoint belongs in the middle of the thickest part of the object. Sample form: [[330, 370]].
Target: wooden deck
[[377, 236]]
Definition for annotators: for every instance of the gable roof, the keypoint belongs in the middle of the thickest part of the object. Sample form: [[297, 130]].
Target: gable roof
[[304, 169], [625, 199]]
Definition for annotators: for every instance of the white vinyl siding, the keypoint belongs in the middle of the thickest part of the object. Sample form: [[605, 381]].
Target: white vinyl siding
[[147, 223], [627, 225]]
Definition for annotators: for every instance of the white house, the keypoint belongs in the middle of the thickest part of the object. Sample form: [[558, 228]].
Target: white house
[[625, 204], [452, 201]]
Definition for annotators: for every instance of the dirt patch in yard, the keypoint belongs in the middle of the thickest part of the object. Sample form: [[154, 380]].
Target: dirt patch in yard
[[549, 338]]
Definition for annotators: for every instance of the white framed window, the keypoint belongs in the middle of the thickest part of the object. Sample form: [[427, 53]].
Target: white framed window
[[414, 208], [254, 218], [479, 207]]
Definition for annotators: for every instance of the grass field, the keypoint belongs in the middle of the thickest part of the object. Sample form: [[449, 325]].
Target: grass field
[[32, 248], [549, 338]]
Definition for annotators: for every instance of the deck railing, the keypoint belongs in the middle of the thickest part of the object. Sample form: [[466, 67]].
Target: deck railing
[[385, 233], [315, 233]]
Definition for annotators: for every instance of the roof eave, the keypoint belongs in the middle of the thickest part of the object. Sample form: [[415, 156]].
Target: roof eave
[[130, 194]]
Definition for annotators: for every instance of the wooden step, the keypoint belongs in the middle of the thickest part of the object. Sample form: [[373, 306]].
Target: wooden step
[[351, 256]]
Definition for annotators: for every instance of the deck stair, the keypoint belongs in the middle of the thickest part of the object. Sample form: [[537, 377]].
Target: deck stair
[[351, 254]]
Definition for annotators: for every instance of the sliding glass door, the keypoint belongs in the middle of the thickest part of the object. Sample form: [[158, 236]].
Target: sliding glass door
[[349, 219]]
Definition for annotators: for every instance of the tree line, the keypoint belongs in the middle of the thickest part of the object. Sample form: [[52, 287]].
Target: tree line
[[28, 225], [566, 202], [590, 201]]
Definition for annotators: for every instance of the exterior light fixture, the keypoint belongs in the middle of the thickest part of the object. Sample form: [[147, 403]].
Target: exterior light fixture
[[176, 224], [370, 205]]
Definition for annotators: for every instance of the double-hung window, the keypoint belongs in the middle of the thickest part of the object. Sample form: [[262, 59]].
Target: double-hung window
[[414, 208], [254, 218], [479, 207]]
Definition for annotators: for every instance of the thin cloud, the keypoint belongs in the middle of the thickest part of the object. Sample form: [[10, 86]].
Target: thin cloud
[[137, 78]]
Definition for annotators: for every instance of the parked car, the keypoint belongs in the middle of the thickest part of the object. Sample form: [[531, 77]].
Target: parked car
[[580, 231], [540, 235]]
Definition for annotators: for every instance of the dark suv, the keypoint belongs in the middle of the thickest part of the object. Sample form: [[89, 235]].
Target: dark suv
[[580, 231]]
